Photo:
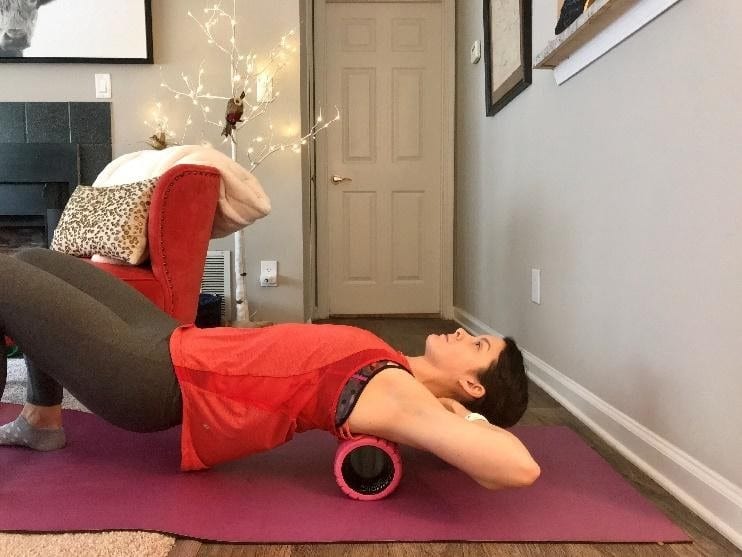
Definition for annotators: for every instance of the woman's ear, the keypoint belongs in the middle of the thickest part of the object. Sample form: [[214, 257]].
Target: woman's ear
[[471, 388]]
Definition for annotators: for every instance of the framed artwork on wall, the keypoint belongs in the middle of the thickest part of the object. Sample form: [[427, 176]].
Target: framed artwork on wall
[[507, 51], [81, 31]]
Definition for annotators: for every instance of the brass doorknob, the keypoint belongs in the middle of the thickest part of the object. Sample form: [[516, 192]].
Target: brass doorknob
[[337, 179]]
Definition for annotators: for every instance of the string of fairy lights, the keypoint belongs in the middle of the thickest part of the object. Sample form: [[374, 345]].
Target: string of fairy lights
[[246, 74], [249, 78]]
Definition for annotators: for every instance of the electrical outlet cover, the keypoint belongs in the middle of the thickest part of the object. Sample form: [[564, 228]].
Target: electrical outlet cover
[[268, 273], [476, 51]]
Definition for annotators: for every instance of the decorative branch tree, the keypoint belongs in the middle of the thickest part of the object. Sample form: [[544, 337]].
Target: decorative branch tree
[[247, 79]]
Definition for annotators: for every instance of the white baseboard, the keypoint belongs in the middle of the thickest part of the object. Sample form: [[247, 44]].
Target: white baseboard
[[711, 496]]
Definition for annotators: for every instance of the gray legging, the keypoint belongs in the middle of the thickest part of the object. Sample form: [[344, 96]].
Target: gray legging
[[83, 329]]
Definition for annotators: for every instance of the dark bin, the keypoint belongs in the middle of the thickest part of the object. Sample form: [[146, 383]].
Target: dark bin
[[209, 312]]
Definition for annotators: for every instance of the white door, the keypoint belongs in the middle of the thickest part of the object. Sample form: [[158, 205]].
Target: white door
[[382, 226]]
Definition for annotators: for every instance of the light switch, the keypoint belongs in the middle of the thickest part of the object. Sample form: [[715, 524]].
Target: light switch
[[103, 85], [264, 91], [536, 286]]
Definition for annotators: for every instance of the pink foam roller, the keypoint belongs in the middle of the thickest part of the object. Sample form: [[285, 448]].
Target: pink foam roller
[[368, 468]]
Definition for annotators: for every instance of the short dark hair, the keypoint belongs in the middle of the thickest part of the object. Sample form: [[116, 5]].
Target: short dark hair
[[506, 388]]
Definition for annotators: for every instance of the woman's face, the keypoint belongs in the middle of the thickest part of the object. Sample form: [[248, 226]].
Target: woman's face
[[461, 352]]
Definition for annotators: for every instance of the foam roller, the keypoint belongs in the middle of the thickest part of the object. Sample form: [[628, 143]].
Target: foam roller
[[368, 468]]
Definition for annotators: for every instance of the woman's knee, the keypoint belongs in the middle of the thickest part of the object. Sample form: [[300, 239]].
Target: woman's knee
[[8, 266], [55, 262], [32, 255]]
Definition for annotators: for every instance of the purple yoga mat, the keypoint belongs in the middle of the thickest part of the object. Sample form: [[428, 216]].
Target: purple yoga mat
[[109, 479]]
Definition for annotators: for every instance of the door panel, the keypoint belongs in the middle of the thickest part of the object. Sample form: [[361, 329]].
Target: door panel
[[359, 96], [359, 253]]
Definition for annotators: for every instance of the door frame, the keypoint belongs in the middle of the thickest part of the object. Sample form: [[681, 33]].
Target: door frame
[[314, 15]]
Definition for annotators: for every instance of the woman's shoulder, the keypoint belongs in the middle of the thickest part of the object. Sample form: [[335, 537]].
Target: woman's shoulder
[[391, 393]]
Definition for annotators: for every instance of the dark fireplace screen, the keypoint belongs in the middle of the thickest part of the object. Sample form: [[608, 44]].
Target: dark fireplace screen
[[36, 181], [46, 150]]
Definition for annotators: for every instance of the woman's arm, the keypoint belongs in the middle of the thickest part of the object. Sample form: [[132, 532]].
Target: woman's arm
[[396, 407]]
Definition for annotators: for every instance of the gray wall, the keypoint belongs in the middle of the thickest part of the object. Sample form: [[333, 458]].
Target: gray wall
[[623, 186], [179, 46]]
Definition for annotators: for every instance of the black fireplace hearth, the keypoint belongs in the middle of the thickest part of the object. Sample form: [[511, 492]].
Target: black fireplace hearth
[[36, 180], [46, 151], [18, 236]]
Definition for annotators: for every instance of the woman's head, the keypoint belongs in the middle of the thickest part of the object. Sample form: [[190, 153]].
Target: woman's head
[[485, 373], [505, 388]]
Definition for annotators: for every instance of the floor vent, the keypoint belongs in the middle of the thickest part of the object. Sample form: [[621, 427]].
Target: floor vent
[[217, 279]]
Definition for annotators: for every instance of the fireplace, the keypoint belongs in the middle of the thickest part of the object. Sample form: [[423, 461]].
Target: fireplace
[[46, 150], [36, 180]]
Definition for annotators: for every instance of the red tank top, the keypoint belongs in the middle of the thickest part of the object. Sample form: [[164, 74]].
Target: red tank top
[[248, 390]]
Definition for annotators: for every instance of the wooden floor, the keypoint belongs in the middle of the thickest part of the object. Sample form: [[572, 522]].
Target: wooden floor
[[409, 337]]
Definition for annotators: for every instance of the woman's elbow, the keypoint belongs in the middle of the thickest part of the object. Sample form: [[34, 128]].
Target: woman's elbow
[[528, 474], [523, 475]]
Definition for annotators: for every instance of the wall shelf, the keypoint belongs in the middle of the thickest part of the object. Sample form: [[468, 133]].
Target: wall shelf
[[604, 25], [597, 18]]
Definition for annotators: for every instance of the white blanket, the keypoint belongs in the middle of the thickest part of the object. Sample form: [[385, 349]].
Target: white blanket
[[241, 197]]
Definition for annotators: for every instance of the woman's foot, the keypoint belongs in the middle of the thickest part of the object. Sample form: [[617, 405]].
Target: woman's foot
[[37, 427]]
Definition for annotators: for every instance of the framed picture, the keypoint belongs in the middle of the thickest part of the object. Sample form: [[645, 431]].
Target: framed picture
[[507, 51], [82, 31]]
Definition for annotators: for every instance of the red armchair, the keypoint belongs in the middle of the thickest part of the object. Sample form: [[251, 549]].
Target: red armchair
[[178, 231]]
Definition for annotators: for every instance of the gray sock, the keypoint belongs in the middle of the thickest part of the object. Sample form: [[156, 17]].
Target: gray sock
[[21, 433]]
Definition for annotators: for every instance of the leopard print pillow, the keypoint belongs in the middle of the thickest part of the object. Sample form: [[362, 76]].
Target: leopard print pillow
[[109, 221]]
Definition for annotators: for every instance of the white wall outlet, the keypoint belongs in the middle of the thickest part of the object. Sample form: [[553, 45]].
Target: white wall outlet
[[269, 273], [536, 286], [476, 51], [103, 85]]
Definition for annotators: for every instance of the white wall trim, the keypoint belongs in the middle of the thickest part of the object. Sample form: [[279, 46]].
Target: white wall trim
[[626, 25], [308, 167], [322, 261], [714, 498], [448, 177]]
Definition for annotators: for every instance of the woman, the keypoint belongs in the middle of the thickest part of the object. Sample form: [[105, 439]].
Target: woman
[[241, 391]]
